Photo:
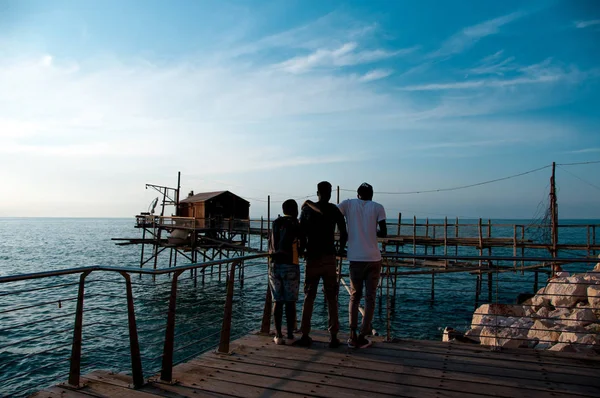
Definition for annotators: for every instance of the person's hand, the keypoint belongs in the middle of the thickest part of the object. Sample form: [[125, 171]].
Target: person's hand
[[307, 202]]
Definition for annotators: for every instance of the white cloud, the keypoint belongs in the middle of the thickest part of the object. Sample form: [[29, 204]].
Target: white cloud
[[542, 73], [345, 55], [585, 24], [376, 74], [469, 36]]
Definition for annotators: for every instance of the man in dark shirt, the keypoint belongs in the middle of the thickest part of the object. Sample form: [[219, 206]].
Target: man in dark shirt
[[317, 223]]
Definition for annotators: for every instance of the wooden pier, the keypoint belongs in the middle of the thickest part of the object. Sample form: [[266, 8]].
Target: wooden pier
[[257, 367]]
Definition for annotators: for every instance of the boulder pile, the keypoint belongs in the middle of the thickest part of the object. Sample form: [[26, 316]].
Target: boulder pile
[[563, 316]]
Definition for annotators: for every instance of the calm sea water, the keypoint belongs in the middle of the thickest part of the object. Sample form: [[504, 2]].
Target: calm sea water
[[36, 317]]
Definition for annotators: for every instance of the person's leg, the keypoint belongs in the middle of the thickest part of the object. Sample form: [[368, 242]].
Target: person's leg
[[276, 284], [278, 316], [356, 290], [290, 316], [311, 284], [373, 273], [291, 287], [330, 285]]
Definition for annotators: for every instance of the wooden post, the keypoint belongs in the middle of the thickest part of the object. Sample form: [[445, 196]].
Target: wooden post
[[414, 237], [399, 230], [338, 194], [426, 233], [432, 286], [434, 241], [554, 215], [261, 233], [445, 241], [523, 247], [268, 217], [515, 246], [480, 242], [456, 236], [594, 239], [588, 240]]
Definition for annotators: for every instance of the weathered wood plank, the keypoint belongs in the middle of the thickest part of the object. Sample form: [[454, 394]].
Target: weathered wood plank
[[381, 365], [59, 392]]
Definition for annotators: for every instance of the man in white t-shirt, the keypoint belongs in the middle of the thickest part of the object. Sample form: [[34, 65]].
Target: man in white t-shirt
[[363, 216]]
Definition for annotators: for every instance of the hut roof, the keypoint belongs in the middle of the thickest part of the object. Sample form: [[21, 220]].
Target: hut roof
[[204, 196]]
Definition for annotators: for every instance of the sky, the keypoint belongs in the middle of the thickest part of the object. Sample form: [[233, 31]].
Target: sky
[[270, 97]]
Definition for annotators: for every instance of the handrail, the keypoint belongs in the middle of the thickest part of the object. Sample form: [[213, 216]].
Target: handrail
[[492, 258], [158, 271]]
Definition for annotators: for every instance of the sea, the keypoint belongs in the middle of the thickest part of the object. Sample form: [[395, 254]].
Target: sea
[[37, 315]]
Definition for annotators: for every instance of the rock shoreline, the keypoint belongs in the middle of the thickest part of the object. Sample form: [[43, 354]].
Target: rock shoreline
[[563, 316]]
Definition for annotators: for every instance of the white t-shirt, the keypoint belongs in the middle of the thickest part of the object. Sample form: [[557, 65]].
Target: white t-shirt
[[362, 217]]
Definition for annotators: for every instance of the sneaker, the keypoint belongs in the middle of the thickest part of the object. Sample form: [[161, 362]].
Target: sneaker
[[304, 341], [334, 342], [279, 340], [362, 342], [352, 342]]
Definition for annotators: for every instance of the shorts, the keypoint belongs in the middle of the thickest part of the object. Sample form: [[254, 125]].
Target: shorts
[[284, 280]]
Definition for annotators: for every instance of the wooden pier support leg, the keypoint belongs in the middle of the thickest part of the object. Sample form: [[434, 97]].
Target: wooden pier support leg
[[445, 241], [477, 287]]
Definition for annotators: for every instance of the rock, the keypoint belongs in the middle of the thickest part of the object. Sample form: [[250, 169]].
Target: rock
[[510, 333], [544, 330], [570, 337], [593, 295], [566, 292], [543, 312], [540, 299], [580, 317], [562, 347], [559, 314], [474, 334], [486, 314], [587, 342]]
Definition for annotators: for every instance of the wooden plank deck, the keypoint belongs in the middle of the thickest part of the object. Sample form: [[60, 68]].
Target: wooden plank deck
[[408, 368]]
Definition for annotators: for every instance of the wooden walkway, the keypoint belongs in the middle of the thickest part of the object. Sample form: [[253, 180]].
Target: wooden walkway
[[408, 368]]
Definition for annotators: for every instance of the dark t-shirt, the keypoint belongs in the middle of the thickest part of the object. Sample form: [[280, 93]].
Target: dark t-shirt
[[319, 228], [284, 240]]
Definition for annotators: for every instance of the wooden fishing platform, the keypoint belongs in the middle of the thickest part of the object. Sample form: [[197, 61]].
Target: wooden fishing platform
[[407, 368]]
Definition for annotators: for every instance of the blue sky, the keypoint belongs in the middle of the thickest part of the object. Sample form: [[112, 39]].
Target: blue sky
[[272, 97]]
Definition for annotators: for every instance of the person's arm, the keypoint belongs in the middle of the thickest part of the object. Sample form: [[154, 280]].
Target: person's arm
[[302, 230], [341, 225], [382, 233]]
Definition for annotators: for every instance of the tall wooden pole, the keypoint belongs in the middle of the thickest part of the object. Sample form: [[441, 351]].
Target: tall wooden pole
[[338, 194], [554, 215]]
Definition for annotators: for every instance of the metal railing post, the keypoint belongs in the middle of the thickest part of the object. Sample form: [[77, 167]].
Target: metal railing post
[[75, 368], [134, 345], [166, 373], [226, 328]]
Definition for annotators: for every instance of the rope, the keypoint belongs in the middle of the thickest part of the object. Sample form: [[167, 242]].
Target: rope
[[459, 187]]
